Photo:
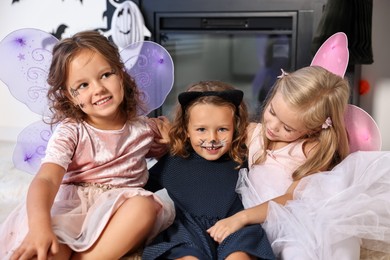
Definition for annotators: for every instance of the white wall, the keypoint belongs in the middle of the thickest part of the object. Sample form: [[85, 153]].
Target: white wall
[[377, 101]]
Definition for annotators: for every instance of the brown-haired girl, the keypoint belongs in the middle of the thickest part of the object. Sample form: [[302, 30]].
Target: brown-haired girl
[[200, 175], [87, 200]]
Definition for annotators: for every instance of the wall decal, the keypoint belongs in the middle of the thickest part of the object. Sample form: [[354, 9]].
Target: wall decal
[[126, 24], [60, 31]]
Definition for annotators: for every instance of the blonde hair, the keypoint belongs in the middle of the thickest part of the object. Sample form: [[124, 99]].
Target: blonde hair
[[179, 141], [317, 94]]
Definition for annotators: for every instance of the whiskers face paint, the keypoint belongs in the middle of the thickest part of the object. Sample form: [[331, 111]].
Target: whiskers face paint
[[212, 145], [210, 130]]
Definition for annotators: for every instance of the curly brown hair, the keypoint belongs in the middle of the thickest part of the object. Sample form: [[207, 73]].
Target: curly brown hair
[[63, 53], [179, 141]]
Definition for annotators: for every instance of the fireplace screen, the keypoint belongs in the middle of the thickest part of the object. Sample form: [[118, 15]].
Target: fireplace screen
[[246, 50]]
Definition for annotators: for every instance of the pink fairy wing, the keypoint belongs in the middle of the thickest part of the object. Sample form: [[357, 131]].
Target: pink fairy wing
[[333, 54], [25, 60], [152, 68], [363, 132]]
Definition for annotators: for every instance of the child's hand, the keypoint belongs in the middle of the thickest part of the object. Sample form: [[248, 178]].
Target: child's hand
[[164, 126], [223, 228], [37, 245], [161, 127]]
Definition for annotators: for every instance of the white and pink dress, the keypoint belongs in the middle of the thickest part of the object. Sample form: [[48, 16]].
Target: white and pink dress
[[103, 169], [333, 213]]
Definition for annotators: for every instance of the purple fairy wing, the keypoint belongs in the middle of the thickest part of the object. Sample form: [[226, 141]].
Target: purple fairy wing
[[31, 146], [25, 60], [152, 68], [24, 65]]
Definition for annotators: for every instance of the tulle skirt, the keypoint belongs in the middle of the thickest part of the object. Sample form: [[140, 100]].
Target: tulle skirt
[[79, 215], [349, 205]]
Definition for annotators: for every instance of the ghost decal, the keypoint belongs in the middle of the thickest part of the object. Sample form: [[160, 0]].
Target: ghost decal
[[127, 24]]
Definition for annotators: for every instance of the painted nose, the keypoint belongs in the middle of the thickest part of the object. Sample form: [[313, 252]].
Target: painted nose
[[213, 137]]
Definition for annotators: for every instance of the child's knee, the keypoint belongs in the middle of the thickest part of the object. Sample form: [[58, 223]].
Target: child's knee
[[144, 206]]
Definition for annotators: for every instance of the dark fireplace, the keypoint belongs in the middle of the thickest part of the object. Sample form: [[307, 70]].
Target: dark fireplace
[[244, 43]]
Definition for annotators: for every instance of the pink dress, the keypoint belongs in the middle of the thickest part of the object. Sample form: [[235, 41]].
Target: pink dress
[[333, 213], [271, 179], [103, 169]]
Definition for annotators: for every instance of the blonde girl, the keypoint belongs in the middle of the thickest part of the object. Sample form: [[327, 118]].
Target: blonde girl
[[315, 201]]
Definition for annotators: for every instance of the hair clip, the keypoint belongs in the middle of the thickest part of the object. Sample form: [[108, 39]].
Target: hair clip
[[233, 96], [328, 123], [283, 74]]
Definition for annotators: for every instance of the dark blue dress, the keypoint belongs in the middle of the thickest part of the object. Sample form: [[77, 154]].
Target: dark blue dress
[[203, 192]]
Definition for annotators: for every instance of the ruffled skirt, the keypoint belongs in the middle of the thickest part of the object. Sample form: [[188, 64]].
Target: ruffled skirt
[[331, 211], [79, 215]]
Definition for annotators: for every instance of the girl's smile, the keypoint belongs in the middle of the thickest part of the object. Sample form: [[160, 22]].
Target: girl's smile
[[103, 101], [210, 129], [96, 88]]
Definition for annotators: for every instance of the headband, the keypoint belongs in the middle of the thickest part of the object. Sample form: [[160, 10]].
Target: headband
[[233, 96]]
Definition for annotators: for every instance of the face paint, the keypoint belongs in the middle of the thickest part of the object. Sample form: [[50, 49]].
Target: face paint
[[75, 93], [212, 144]]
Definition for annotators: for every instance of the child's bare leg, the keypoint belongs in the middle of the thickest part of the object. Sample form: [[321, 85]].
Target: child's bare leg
[[64, 253], [126, 231], [239, 256]]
